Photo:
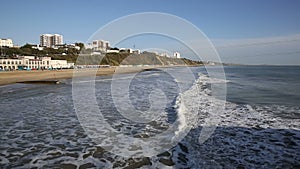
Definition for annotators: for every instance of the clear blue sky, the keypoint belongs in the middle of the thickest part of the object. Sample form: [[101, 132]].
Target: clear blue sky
[[25, 20]]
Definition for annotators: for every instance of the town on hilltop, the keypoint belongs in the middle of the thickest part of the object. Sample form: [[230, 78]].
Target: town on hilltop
[[53, 53]]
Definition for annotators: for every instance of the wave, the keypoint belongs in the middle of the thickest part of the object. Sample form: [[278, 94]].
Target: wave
[[195, 104], [47, 134], [237, 126]]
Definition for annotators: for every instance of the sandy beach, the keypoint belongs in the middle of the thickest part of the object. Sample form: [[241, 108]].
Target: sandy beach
[[10, 77]]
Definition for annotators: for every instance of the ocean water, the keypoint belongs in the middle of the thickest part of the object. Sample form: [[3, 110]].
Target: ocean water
[[40, 126]]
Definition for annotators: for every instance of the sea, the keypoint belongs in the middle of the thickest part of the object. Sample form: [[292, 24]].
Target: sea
[[257, 123]]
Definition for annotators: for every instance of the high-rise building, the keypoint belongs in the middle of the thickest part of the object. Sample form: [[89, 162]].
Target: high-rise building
[[57, 39], [100, 45], [6, 42], [45, 40], [50, 40]]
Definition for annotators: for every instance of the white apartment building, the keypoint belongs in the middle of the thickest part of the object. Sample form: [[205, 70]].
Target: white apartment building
[[100, 45], [6, 42], [57, 39], [31, 62], [50, 40]]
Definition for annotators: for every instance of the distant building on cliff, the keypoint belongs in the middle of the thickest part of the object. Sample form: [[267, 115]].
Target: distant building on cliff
[[100, 45], [50, 40], [6, 43], [176, 55]]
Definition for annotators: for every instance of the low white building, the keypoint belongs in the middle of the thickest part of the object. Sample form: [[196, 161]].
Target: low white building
[[126, 50], [113, 51], [38, 47], [6, 43], [129, 50], [32, 62], [74, 46]]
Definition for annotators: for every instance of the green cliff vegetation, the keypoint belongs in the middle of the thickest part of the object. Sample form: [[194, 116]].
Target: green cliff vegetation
[[84, 57], [68, 53], [116, 59]]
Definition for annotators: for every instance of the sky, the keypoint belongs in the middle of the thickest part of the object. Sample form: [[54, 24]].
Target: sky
[[242, 31]]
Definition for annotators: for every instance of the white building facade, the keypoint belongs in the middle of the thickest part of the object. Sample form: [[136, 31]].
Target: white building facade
[[6, 43], [57, 39], [31, 62], [50, 40], [100, 45]]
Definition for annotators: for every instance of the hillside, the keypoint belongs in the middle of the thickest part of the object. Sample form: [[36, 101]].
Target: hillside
[[116, 59], [85, 58]]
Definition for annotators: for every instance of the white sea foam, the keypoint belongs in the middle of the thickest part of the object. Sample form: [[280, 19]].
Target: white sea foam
[[197, 107], [252, 124], [198, 101], [47, 134]]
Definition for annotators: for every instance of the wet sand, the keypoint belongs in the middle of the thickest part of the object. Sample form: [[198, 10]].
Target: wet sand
[[11, 77]]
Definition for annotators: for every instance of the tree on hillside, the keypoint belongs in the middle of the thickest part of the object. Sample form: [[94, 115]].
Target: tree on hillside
[[115, 48], [27, 45], [81, 45]]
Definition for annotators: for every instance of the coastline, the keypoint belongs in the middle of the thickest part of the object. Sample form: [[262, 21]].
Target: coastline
[[11, 77]]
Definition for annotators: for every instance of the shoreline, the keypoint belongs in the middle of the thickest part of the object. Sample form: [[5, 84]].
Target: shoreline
[[23, 76]]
